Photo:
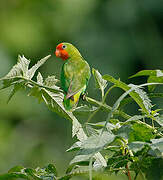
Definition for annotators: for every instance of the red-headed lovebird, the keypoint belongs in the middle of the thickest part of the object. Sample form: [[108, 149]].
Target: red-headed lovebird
[[75, 74]]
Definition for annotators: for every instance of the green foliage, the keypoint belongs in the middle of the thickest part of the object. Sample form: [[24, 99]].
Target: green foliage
[[154, 76], [47, 173], [100, 82], [119, 144], [134, 91]]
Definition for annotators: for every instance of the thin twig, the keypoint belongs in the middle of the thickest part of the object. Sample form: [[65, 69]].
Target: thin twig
[[128, 172], [106, 94], [93, 114], [103, 101], [107, 108]]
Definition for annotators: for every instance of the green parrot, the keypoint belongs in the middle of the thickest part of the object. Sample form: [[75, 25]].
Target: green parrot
[[75, 74]]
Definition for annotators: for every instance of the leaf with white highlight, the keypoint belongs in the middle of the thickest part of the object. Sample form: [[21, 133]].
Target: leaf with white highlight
[[100, 82], [34, 68]]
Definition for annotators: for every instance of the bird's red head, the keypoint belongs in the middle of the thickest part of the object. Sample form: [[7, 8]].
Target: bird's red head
[[61, 51]]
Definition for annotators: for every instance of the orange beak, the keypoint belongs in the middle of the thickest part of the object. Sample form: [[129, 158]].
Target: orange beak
[[57, 53]]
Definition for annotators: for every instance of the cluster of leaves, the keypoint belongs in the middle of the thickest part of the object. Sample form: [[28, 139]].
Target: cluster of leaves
[[121, 143], [47, 173]]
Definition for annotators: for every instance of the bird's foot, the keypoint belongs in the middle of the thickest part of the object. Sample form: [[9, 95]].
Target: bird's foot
[[83, 96]]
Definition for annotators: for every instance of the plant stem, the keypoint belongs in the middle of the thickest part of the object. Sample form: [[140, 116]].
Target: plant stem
[[93, 114], [90, 168], [128, 172], [29, 81], [102, 93], [107, 108], [153, 123], [103, 101], [104, 98]]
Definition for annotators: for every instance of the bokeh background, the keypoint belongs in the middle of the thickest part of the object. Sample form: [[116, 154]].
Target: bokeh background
[[118, 37]]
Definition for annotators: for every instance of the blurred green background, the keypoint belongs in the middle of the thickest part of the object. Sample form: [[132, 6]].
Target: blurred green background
[[118, 37]]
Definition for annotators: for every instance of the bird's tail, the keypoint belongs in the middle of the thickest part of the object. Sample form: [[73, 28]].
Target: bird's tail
[[71, 102]]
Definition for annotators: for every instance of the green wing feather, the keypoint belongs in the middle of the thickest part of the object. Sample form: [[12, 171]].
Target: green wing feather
[[75, 75]]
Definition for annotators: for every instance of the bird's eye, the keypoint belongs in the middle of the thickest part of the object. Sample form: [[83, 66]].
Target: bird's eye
[[64, 47]]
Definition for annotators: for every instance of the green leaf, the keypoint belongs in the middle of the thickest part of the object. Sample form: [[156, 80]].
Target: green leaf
[[143, 96], [136, 146], [75, 146], [82, 156], [34, 68], [18, 70], [46, 173], [40, 79], [157, 73], [17, 84], [157, 146], [21, 68], [154, 76], [128, 100], [138, 99], [77, 170], [141, 132], [114, 121], [23, 63], [100, 82], [91, 130], [51, 81], [31, 174], [16, 169], [92, 145], [80, 170], [154, 79], [13, 176], [15, 172], [52, 169], [124, 131], [136, 131]]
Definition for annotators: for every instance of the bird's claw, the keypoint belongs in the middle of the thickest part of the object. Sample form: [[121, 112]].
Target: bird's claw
[[84, 96]]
